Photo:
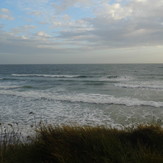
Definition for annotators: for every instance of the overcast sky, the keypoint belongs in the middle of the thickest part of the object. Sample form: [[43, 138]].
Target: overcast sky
[[81, 31]]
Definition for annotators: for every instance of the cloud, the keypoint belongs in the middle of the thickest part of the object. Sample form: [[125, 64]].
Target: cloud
[[114, 11], [15, 49], [7, 17], [1, 26], [42, 35], [129, 24], [137, 23], [67, 24], [4, 10], [113, 24], [5, 14], [62, 5], [23, 29], [36, 13]]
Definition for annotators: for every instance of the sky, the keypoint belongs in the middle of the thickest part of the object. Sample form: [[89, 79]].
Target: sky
[[81, 31]]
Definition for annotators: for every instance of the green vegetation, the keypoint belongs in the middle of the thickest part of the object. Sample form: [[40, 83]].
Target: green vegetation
[[69, 144]]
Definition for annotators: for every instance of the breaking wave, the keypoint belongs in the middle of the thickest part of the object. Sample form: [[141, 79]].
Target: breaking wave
[[14, 87], [100, 78], [119, 78], [9, 87], [145, 85], [46, 75], [84, 98]]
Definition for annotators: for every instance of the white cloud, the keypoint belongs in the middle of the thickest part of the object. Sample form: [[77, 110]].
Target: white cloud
[[114, 11], [133, 24], [42, 34], [143, 1], [36, 13], [4, 10], [5, 14], [7, 17], [67, 24], [123, 24]]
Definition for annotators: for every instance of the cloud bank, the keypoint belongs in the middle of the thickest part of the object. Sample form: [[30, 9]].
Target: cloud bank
[[75, 26]]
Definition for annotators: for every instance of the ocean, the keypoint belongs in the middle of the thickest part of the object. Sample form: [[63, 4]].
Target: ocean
[[82, 94]]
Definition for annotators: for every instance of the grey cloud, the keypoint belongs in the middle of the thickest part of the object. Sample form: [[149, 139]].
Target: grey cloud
[[23, 29], [110, 28], [142, 27], [61, 5], [9, 43]]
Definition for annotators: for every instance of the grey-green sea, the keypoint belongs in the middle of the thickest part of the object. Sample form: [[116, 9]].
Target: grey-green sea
[[81, 94]]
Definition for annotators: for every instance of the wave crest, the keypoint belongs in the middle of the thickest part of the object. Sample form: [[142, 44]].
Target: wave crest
[[100, 78], [46, 75], [85, 98], [146, 85]]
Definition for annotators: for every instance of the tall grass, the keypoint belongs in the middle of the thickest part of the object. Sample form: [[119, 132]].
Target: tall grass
[[83, 144]]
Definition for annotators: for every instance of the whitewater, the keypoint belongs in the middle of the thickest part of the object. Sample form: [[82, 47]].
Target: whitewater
[[108, 94]]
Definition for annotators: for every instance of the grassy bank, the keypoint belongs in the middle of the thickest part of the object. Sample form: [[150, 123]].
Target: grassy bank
[[67, 144]]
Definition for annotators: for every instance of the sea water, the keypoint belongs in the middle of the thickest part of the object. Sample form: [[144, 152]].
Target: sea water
[[97, 94]]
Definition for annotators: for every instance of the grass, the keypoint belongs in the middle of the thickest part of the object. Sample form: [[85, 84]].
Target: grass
[[72, 144]]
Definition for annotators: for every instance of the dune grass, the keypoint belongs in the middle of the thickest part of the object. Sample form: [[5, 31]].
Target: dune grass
[[77, 144]]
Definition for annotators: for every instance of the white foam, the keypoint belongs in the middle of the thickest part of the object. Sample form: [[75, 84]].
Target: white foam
[[9, 87], [104, 78], [118, 78], [84, 98], [45, 75], [147, 85]]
